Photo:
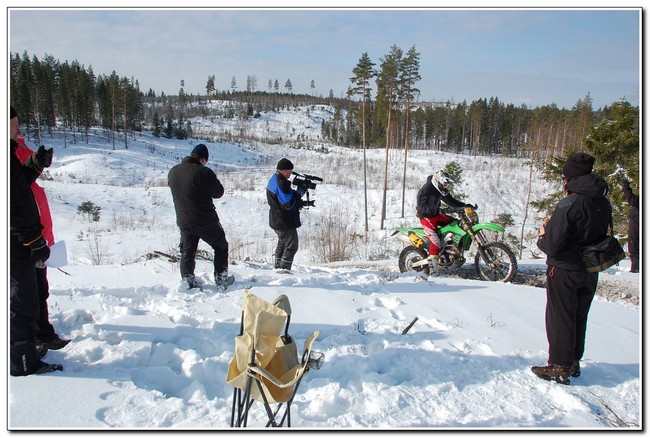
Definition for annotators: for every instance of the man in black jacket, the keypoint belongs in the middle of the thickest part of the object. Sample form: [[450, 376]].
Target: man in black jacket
[[193, 186], [27, 248], [633, 226], [284, 214], [579, 219]]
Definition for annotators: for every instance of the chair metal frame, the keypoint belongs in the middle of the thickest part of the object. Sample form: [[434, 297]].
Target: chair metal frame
[[256, 382]]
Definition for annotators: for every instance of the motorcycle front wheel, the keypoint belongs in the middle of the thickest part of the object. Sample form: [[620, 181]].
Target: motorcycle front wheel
[[410, 255], [501, 263]]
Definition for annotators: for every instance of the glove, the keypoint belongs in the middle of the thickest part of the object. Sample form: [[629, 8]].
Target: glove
[[43, 157], [39, 249], [302, 190]]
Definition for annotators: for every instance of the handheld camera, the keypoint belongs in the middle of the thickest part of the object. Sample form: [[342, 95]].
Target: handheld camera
[[306, 183]]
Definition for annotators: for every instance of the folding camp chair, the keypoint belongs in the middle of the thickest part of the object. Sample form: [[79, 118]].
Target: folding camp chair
[[266, 367]]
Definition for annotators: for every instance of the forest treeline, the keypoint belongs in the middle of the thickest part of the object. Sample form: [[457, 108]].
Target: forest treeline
[[49, 93], [46, 91]]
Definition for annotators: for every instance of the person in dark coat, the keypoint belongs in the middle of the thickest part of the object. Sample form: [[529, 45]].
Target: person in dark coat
[[579, 219], [47, 338], [436, 190], [193, 186], [633, 226], [27, 248], [284, 214]]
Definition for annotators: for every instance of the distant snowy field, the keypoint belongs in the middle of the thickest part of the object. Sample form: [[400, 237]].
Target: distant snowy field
[[147, 354]]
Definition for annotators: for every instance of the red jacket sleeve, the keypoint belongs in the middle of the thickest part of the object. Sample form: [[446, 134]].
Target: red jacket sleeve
[[23, 153]]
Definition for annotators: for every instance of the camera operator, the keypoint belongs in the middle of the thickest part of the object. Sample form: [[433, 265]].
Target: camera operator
[[284, 215]]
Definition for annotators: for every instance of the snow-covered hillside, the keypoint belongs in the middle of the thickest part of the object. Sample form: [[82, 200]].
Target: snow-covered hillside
[[148, 354]]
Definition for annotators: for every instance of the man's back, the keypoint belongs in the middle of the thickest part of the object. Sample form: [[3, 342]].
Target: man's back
[[580, 219], [193, 187]]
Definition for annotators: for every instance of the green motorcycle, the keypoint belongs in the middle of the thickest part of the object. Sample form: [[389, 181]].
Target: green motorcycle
[[494, 260]]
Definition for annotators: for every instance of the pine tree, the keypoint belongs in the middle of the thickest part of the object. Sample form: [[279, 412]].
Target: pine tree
[[210, 87], [87, 98], [363, 73], [157, 124], [409, 74], [169, 130], [387, 89]]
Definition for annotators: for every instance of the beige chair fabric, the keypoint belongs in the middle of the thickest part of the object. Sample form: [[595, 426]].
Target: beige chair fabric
[[276, 365]]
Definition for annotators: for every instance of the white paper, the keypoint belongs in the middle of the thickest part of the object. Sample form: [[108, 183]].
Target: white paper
[[58, 255]]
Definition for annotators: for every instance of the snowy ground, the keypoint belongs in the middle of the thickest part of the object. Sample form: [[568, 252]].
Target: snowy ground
[[148, 354]]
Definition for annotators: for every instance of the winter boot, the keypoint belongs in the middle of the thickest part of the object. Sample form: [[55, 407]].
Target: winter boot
[[191, 282], [53, 342], [278, 261], [44, 367], [553, 372], [575, 368], [285, 266], [41, 350], [223, 280], [25, 360], [433, 264]]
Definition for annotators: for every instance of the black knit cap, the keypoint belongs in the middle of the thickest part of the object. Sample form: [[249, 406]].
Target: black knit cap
[[12, 113], [285, 164], [578, 164], [201, 151]]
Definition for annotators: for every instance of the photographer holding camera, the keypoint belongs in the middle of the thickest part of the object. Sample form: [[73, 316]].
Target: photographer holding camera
[[284, 215]]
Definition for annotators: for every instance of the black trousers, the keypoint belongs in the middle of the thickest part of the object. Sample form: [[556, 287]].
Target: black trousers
[[286, 248], [569, 295], [45, 328], [23, 317], [214, 236]]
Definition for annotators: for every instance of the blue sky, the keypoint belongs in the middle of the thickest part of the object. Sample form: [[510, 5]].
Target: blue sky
[[521, 56]]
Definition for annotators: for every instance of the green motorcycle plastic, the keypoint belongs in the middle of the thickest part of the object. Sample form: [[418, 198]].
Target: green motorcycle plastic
[[493, 261]]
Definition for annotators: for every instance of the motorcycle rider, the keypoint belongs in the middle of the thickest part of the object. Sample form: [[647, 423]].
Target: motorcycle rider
[[437, 189]]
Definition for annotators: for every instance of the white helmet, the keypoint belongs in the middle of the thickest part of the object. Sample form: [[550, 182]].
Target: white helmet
[[443, 181]]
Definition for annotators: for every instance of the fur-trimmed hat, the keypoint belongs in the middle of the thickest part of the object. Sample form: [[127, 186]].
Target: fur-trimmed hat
[[285, 164], [201, 151], [578, 164]]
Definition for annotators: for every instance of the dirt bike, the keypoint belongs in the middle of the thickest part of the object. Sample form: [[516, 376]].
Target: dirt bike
[[494, 260]]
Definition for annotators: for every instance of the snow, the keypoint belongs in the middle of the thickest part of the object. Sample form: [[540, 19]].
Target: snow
[[148, 354]]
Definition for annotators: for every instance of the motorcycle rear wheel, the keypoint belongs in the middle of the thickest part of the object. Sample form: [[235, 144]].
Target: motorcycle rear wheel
[[410, 255], [502, 265]]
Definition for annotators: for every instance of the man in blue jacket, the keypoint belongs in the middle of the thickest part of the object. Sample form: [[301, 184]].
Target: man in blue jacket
[[193, 186], [284, 215], [580, 219]]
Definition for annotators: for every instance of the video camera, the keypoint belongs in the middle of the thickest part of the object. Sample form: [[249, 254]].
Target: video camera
[[307, 182]]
